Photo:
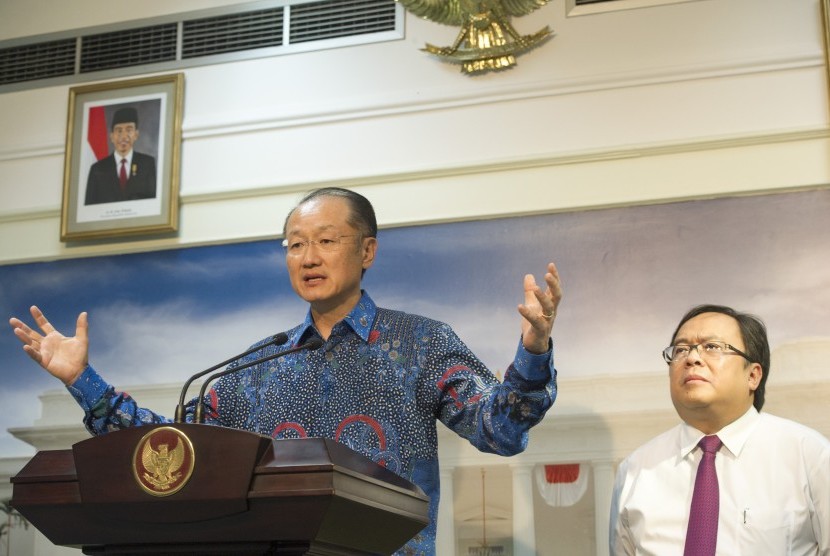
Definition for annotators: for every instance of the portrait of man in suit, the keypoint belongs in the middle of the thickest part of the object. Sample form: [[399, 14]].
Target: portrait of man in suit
[[124, 175]]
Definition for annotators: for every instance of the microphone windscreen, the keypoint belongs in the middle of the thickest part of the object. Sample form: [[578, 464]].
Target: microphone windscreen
[[313, 343], [279, 339]]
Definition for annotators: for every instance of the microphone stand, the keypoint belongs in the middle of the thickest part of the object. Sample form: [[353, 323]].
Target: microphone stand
[[199, 414], [277, 340]]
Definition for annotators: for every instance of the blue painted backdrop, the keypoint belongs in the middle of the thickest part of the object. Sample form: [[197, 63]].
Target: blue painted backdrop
[[629, 274]]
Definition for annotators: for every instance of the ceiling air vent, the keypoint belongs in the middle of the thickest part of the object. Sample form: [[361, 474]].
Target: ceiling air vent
[[37, 61], [340, 18], [129, 47], [232, 33], [225, 34]]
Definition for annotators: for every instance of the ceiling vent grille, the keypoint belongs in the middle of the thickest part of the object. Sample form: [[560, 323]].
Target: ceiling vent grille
[[37, 61], [232, 33], [227, 34], [340, 18], [132, 47]]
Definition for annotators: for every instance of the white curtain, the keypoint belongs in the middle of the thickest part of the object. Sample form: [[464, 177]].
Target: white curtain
[[563, 484]]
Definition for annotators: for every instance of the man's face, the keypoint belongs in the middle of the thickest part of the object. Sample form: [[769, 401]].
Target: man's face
[[329, 280], [711, 392], [123, 136]]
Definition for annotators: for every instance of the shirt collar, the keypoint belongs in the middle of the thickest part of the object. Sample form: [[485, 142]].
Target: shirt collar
[[359, 319], [734, 435]]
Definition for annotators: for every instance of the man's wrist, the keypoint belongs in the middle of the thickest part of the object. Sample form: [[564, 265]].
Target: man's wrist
[[538, 348], [534, 366], [74, 378]]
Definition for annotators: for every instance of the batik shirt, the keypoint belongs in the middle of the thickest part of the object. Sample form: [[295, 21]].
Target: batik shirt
[[378, 384]]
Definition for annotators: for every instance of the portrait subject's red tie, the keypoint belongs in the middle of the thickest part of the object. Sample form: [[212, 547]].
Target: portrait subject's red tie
[[702, 534], [122, 174]]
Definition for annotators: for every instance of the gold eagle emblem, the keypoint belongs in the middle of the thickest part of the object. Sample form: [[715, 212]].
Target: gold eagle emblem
[[163, 461], [162, 465], [487, 40]]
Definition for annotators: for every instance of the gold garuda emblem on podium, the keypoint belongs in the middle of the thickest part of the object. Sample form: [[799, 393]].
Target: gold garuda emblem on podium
[[487, 40], [163, 461]]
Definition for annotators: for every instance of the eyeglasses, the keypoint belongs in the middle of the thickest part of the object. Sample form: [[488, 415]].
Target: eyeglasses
[[330, 244], [708, 350]]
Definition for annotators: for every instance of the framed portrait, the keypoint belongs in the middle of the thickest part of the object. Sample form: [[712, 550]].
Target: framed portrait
[[825, 27], [121, 169]]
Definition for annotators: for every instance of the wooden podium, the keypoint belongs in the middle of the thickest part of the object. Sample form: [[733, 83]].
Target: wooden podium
[[217, 491]]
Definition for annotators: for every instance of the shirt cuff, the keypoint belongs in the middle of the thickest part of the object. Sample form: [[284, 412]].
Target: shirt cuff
[[534, 367], [88, 389]]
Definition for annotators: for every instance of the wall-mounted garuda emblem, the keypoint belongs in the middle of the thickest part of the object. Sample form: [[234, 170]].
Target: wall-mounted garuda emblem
[[163, 461], [487, 40]]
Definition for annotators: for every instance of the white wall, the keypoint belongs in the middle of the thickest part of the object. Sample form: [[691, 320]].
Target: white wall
[[695, 99]]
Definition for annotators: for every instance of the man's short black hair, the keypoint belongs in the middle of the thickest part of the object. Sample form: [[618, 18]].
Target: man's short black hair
[[362, 216]]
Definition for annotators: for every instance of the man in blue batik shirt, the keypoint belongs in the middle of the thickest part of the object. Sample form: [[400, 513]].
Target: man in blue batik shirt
[[381, 378]]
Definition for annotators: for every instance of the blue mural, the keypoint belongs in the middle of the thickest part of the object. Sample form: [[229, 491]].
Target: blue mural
[[629, 274]]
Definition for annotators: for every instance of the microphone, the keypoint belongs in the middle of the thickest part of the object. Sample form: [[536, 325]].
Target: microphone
[[276, 339], [199, 414]]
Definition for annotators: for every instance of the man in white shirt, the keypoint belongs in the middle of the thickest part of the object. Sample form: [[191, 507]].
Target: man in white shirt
[[772, 486]]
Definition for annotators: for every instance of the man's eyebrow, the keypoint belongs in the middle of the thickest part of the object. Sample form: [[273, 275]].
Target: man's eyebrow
[[682, 340], [322, 228]]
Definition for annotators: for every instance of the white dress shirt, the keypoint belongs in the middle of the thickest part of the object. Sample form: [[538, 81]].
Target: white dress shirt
[[774, 481], [127, 166]]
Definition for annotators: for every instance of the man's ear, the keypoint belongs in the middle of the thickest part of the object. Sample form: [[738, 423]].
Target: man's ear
[[756, 373], [370, 249]]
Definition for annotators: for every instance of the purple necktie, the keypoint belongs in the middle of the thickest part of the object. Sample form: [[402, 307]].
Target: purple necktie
[[702, 534]]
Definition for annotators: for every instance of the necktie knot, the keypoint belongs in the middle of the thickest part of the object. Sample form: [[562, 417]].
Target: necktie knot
[[710, 444]]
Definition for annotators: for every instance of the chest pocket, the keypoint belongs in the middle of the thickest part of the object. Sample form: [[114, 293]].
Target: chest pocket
[[767, 532]]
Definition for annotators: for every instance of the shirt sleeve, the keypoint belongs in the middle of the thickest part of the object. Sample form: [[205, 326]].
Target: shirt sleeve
[[494, 416], [820, 489], [619, 538], [105, 409]]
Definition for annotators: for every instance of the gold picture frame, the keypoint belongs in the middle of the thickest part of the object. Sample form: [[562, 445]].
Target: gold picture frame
[[103, 195], [825, 27]]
